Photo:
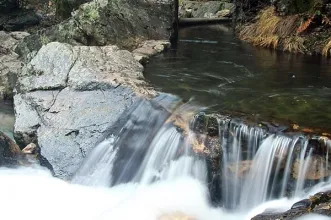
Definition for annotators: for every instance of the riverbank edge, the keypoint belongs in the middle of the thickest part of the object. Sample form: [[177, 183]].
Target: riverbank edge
[[304, 33]]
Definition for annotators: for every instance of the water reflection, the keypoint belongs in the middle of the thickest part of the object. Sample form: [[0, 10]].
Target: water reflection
[[232, 75]]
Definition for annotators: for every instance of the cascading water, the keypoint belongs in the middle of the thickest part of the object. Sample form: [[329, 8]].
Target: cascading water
[[257, 167], [239, 143], [144, 156], [145, 169]]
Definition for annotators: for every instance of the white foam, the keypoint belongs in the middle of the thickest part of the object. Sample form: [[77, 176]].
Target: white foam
[[34, 194]]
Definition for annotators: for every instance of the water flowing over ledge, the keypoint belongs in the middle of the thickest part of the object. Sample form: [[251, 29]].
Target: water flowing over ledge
[[159, 163]]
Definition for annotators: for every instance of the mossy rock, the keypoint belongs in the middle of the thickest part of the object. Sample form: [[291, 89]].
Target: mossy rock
[[120, 22]]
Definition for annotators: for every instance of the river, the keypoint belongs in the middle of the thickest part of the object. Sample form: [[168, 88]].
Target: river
[[147, 170], [226, 74]]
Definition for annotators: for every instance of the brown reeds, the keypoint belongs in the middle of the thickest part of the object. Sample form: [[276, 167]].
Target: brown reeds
[[327, 49], [294, 44], [269, 29]]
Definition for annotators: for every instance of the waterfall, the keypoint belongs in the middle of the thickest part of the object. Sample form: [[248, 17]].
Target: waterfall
[[239, 144], [153, 164], [154, 144], [147, 148], [265, 180], [98, 174], [258, 166]]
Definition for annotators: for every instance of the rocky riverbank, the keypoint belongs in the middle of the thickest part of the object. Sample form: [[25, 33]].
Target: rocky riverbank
[[292, 26], [75, 80], [67, 94]]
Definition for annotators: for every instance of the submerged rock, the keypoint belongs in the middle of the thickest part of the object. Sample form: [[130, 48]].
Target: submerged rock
[[68, 96]]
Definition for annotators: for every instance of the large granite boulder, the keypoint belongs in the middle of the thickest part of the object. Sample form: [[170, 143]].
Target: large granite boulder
[[10, 65], [125, 23], [67, 96]]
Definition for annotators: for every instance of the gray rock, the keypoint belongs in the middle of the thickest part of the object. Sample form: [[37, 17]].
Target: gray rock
[[10, 65], [7, 41], [124, 23], [210, 7], [85, 94], [228, 6], [149, 48], [223, 13], [49, 69]]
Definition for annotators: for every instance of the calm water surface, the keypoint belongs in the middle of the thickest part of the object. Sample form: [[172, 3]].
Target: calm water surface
[[220, 71]]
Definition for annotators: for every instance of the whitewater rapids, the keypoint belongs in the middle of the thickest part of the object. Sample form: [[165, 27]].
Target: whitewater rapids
[[32, 193]]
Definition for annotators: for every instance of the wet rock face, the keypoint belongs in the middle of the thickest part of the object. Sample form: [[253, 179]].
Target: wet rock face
[[319, 203], [8, 149], [319, 168], [203, 123], [12, 156], [69, 95]]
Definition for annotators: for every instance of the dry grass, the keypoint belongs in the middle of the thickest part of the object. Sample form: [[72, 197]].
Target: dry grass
[[288, 25], [294, 44], [267, 22], [327, 49], [269, 29], [267, 41]]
